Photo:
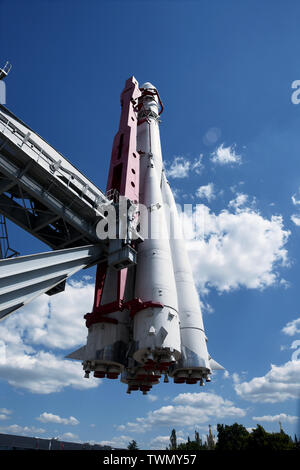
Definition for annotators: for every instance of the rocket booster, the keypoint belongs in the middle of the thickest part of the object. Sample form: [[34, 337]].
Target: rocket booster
[[147, 318]]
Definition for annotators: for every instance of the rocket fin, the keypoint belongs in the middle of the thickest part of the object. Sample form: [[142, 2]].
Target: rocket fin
[[79, 354], [214, 365]]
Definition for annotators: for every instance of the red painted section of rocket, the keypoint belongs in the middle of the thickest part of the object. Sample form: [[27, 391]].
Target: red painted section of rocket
[[123, 180]]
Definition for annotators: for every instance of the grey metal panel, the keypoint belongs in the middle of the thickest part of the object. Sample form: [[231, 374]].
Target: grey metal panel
[[22, 279]]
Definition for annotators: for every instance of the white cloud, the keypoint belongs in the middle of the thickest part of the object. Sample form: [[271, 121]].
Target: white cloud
[[5, 414], [295, 201], [162, 442], [238, 201], [182, 166], [51, 418], [120, 427], [235, 378], [231, 250], [225, 155], [152, 397], [69, 436], [46, 321], [6, 411], [292, 327], [189, 410], [296, 219], [281, 383], [296, 354], [57, 321], [117, 441], [44, 373], [282, 417], [284, 283], [22, 430], [206, 192]]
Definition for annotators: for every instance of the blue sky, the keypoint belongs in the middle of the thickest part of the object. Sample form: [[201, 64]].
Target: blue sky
[[231, 143]]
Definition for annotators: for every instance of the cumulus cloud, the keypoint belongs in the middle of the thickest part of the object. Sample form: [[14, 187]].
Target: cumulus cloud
[[22, 430], [4, 414], [225, 155], [51, 418], [43, 372], [281, 383], [161, 442], [69, 436], [296, 354], [57, 321], [239, 201], [295, 201], [181, 167], [292, 327], [6, 411], [46, 322], [120, 442], [231, 250], [152, 397], [206, 192], [296, 219], [189, 410], [282, 417]]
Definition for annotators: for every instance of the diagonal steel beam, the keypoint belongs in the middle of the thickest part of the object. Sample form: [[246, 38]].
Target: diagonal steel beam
[[24, 278]]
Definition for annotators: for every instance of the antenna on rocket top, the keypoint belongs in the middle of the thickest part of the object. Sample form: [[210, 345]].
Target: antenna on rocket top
[[4, 71]]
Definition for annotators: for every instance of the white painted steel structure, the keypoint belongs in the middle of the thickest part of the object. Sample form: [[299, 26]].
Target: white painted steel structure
[[42, 192]]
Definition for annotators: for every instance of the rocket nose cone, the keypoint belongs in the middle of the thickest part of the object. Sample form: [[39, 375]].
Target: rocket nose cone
[[147, 85]]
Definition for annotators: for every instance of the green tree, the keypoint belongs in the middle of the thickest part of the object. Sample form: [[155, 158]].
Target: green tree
[[234, 437], [173, 440], [198, 440], [132, 445], [260, 439], [193, 445]]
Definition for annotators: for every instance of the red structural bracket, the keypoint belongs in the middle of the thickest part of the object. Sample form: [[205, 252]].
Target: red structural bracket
[[99, 312], [136, 305], [109, 308], [91, 318]]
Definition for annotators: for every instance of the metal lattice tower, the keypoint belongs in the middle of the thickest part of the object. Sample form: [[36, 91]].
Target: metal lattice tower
[[5, 250]]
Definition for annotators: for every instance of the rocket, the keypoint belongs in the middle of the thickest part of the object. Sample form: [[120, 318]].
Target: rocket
[[146, 319]]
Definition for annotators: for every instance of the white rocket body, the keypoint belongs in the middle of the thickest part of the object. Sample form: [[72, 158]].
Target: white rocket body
[[156, 329], [194, 361], [163, 268], [107, 343], [164, 332]]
